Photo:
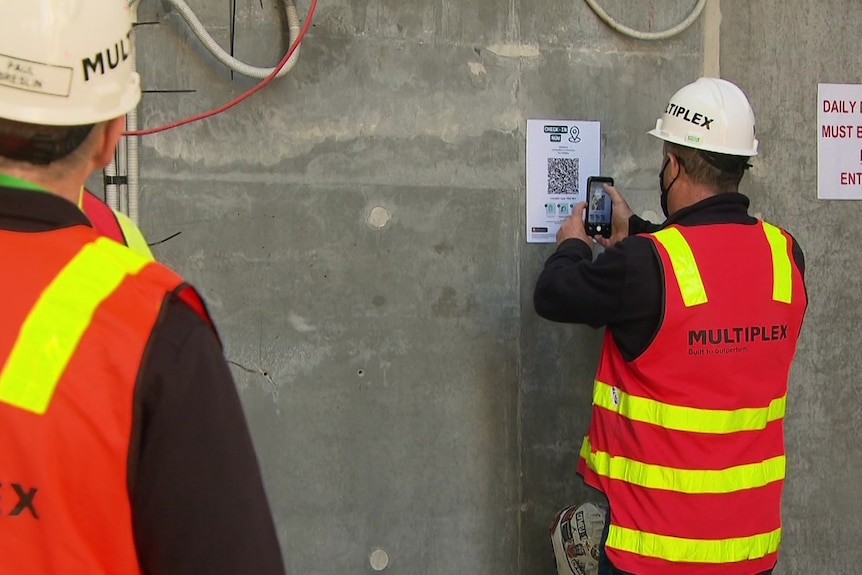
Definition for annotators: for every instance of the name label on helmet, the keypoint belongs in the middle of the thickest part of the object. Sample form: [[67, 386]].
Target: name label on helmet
[[34, 76], [114, 56], [697, 118]]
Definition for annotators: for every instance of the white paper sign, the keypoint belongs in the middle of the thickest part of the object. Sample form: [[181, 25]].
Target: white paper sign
[[561, 155], [839, 143]]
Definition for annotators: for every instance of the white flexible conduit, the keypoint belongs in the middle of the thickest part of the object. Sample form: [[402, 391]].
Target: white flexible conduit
[[113, 192], [637, 34], [237, 66], [133, 161], [123, 175]]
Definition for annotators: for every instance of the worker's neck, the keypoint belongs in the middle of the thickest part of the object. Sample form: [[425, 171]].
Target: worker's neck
[[698, 193], [691, 193], [68, 187]]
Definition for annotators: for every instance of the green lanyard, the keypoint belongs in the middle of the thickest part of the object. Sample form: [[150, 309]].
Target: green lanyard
[[13, 182]]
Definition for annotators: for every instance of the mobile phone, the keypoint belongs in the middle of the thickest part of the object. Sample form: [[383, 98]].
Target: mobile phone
[[599, 212]]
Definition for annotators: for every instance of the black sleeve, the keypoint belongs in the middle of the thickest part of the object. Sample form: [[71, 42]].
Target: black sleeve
[[572, 289], [622, 289], [638, 225], [198, 501], [798, 256]]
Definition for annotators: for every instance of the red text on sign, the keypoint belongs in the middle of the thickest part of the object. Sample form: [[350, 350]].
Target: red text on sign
[[840, 132], [841, 106], [851, 178]]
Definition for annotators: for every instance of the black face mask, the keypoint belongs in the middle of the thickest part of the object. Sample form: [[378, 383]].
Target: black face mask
[[665, 190]]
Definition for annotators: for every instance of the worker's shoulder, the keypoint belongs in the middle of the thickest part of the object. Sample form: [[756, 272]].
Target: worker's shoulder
[[795, 248], [638, 249], [798, 253], [181, 323], [627, 256], [792, 237], [182, 310]]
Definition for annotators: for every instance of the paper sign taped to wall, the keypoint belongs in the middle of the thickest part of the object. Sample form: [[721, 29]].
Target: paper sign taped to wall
[[839, 141], [561, 155]]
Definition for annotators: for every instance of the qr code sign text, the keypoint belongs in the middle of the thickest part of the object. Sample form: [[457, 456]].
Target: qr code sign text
[[563, 176]]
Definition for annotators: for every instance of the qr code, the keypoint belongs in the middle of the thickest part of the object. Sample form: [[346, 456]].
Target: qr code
[[563, 176]]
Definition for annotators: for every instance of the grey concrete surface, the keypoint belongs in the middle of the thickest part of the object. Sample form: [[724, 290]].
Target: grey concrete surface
[[780, 51], [357, 229]]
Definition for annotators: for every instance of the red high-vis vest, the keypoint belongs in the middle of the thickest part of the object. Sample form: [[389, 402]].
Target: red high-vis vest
[[78, 311], [111, 224], [101, 216], [687, 440]]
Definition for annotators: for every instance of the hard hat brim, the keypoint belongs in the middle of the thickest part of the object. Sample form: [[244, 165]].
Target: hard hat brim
[[706, 147]]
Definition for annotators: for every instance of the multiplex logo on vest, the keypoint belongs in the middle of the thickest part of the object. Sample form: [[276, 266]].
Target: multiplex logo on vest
[[25, 499], [732, 339], [115, 55]]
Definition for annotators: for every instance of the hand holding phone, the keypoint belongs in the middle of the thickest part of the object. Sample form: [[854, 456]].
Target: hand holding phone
[[599, 210]]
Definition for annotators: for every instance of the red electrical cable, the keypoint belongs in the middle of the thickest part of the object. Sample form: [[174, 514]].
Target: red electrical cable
[[241, 97]]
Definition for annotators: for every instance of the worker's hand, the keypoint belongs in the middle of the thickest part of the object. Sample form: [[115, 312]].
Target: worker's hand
[[620, 221], [573, 226]]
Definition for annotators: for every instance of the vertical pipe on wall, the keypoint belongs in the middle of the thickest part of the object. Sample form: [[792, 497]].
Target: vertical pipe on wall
[[712, 39], [133, 162], [122, 174], [112, 194], [132, 142]]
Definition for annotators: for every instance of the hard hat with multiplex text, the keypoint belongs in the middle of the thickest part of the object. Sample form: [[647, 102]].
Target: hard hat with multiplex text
[[66, 62], [709, 114]]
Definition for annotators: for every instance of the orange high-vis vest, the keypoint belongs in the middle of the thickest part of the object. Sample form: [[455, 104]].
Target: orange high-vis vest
[[687, 439], [78, 311]]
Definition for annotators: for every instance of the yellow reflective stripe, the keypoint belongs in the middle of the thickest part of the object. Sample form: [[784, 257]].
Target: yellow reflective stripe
[[691, 419], [680, 550], [134, 238], [52, 331], [782, 283], [738, 478], [684, 266]]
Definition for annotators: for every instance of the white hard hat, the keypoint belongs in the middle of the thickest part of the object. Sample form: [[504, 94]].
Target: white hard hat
[[576, 534], [711, 115], [66, 62]]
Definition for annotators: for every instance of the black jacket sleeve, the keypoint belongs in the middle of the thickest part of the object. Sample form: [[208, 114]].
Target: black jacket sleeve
[[798, 256], [198, 501], [573, 289], [622, 289], [638, 225]]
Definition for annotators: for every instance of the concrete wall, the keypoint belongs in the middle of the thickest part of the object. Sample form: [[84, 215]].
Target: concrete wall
[[357, 229], [780, 51]]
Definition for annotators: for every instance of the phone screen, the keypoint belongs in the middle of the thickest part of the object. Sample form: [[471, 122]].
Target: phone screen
[[599, 208]]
